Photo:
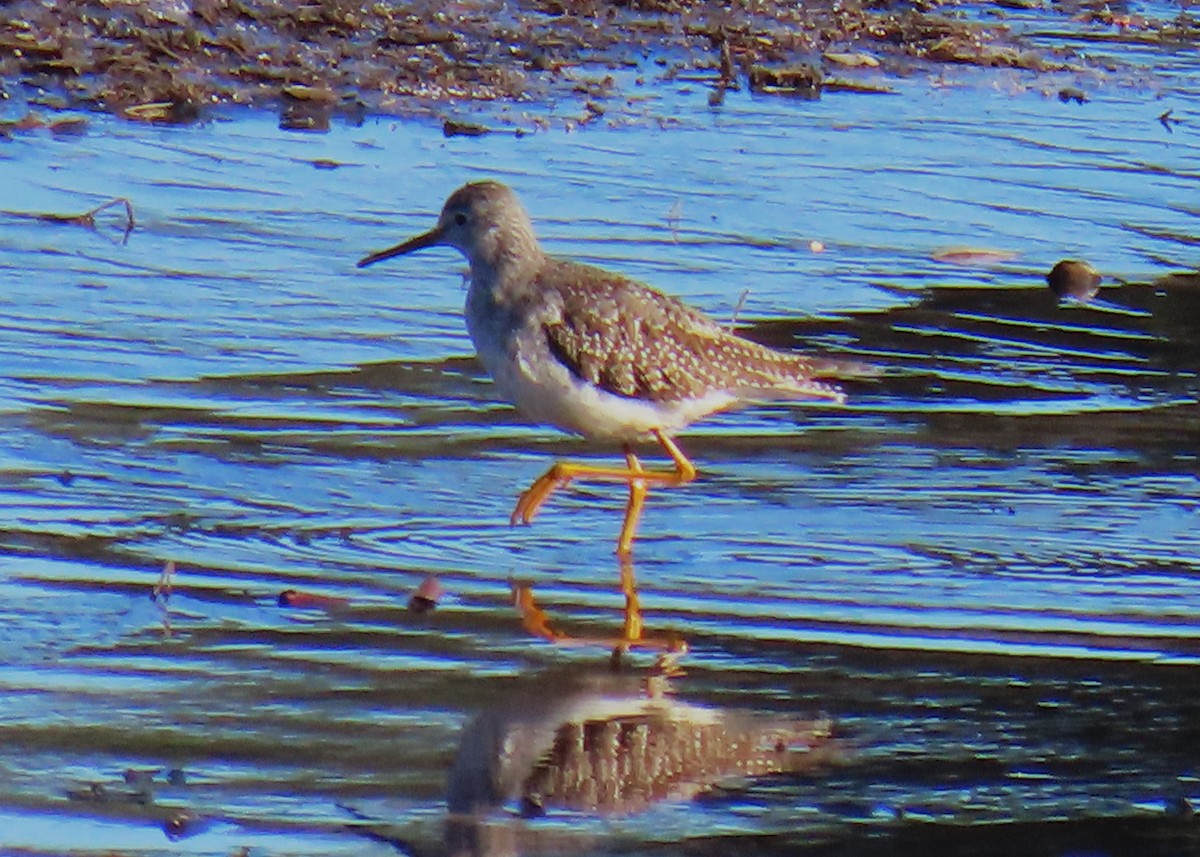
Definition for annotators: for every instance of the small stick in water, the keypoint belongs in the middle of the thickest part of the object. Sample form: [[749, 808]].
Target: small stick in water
[[88, 218], [162, 592], [737, 308]]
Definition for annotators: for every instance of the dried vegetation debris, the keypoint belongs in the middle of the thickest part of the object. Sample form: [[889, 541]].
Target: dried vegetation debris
[[116, 53], [167, 60]]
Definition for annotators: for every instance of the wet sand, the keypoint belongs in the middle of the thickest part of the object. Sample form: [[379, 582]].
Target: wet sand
[[175, 61]]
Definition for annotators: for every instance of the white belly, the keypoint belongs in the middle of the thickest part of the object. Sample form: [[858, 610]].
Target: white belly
[[529, 375]]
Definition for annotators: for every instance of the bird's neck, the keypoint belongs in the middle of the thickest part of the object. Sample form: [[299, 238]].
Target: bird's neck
[[507, 269]]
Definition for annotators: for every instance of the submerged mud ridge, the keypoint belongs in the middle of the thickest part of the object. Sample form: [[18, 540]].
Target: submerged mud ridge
[[171, 60]]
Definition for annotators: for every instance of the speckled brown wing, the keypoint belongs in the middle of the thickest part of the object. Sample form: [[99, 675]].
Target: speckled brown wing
[[634, 341]]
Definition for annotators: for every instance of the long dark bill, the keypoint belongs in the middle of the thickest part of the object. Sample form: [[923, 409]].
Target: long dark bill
[[426, 239]]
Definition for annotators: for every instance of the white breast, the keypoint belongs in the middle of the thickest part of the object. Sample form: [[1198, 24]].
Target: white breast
[[530, 376]]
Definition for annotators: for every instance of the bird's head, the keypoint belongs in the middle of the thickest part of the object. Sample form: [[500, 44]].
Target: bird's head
[[482, 220]]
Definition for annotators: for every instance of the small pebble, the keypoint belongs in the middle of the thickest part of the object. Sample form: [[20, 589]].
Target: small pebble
[[1074, 279]]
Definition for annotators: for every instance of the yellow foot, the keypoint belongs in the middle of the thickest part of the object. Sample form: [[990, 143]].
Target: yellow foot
[[532, 499]]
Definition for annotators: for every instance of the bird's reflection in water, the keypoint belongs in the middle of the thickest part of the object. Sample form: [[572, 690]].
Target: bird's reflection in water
[[605, 743]]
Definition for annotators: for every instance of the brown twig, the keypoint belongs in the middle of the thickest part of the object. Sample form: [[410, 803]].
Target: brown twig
[[87, 218], [161, 594]]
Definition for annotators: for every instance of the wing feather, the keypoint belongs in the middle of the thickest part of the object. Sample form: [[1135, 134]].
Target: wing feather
[[634, 341]]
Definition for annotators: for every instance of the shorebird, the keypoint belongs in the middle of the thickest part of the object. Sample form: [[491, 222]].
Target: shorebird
[[598, 354]]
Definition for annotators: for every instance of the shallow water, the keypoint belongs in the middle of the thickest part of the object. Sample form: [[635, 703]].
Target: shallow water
[[983, 568]]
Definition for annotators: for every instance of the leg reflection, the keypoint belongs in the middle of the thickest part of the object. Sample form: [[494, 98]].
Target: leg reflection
[[537, 622]]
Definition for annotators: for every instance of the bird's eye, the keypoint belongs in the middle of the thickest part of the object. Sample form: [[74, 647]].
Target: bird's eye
[[460, 219]]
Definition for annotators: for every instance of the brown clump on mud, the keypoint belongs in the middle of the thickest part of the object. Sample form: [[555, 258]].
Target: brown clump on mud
[[170, 60]]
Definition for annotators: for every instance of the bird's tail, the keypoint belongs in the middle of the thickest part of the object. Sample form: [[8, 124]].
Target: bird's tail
[[807, 376], [810, 388]]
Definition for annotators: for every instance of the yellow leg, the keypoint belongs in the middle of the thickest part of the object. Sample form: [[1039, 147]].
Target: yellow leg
[[631, 631], [633, 513], [638, 479]]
